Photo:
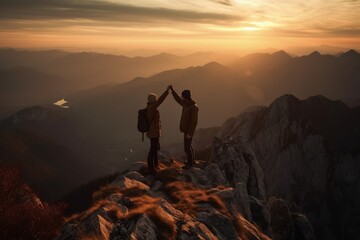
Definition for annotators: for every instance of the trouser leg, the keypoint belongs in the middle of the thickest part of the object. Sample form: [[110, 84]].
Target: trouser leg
[[157, 146], [189, 150], [152, 156], [192, 153]]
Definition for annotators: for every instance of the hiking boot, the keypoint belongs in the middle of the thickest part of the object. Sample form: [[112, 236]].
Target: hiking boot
[[152, 171], [187, 166]]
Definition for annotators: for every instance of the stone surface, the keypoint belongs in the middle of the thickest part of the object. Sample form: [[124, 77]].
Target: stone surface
[[125, 182], [220, 225], [242, 200], [140, 167], [144, 229], [261, 215], [137, 176], [303, 228], [215, 175], [239, 164], [136, 210], [281, 220]]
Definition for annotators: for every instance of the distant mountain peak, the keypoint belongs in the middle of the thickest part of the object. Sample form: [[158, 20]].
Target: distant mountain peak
[[350, 53], [163, 55], [286, 98], [213, 65], [289, 99], [281, 53], [314, 54], [34, 114], [323, 101], [287, 104], [317, 98]]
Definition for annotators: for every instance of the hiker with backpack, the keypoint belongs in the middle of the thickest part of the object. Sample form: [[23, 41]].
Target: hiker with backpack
[[188, 122], [149, 121]]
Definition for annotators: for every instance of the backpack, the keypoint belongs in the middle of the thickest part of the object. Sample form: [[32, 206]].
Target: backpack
[[143, 122]]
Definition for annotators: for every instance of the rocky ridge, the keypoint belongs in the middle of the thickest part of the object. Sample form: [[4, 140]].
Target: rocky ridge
[[309, 151], [225, 199]]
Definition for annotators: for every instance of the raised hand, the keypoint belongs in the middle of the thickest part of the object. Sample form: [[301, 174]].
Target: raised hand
[[169, 88]]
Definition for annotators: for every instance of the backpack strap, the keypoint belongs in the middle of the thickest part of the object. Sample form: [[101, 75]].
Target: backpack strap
[[151, 121]]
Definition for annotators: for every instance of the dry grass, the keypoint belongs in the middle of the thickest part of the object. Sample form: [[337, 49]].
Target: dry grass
[[23, 216], [168, 175], [184, 196], [141, 203], [105, 192], [189, 199], [246, 230]]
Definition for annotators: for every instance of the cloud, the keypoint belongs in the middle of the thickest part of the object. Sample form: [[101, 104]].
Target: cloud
[[345, 32], [105, 11], [224, 2]]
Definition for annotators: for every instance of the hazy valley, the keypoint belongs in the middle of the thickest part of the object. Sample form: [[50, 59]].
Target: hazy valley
[[283, 164]]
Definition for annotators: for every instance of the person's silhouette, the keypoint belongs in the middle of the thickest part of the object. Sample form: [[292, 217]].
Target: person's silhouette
[[154, 132], [188, 122]]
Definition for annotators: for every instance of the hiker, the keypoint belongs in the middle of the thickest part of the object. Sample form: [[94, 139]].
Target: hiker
[[154, 131], [188, 122]]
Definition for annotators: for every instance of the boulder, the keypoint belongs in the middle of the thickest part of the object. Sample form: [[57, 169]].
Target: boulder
[[242, 200], [220, 225], [128, 183], [282, 223], [137, 176], [239, 164], [260, 215], [215, 175], [303, 228], [144, 229]]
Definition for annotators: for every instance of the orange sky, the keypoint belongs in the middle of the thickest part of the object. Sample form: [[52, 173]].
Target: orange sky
[[201, 25]]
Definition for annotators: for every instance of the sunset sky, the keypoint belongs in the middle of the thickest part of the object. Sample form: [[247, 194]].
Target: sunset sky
[[206, 25]]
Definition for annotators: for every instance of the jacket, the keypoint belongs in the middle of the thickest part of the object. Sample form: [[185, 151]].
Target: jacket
[[189, 115], [153, 116]]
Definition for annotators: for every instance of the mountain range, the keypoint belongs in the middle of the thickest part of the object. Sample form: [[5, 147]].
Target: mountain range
[[109, 110], [97, 126], [309, 151], [88, 69], [25, 74], [224, 90]]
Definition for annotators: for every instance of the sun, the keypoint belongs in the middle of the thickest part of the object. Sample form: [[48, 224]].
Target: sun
[[249, 28]]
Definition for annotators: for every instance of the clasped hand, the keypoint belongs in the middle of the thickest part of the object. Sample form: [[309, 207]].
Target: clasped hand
[[170, 87]]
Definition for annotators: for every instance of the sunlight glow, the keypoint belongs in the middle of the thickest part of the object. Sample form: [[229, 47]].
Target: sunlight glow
[[250, 28], [168, 24]]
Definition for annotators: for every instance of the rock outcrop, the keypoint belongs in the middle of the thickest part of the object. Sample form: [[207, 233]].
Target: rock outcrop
[[309, 153], [198, 203]]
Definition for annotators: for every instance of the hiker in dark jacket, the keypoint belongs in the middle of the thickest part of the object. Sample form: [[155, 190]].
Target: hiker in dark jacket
[[188, 122], [154, 132]]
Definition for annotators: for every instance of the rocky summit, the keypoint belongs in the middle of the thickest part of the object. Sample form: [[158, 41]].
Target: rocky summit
[[222, 199], [309, 152]]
